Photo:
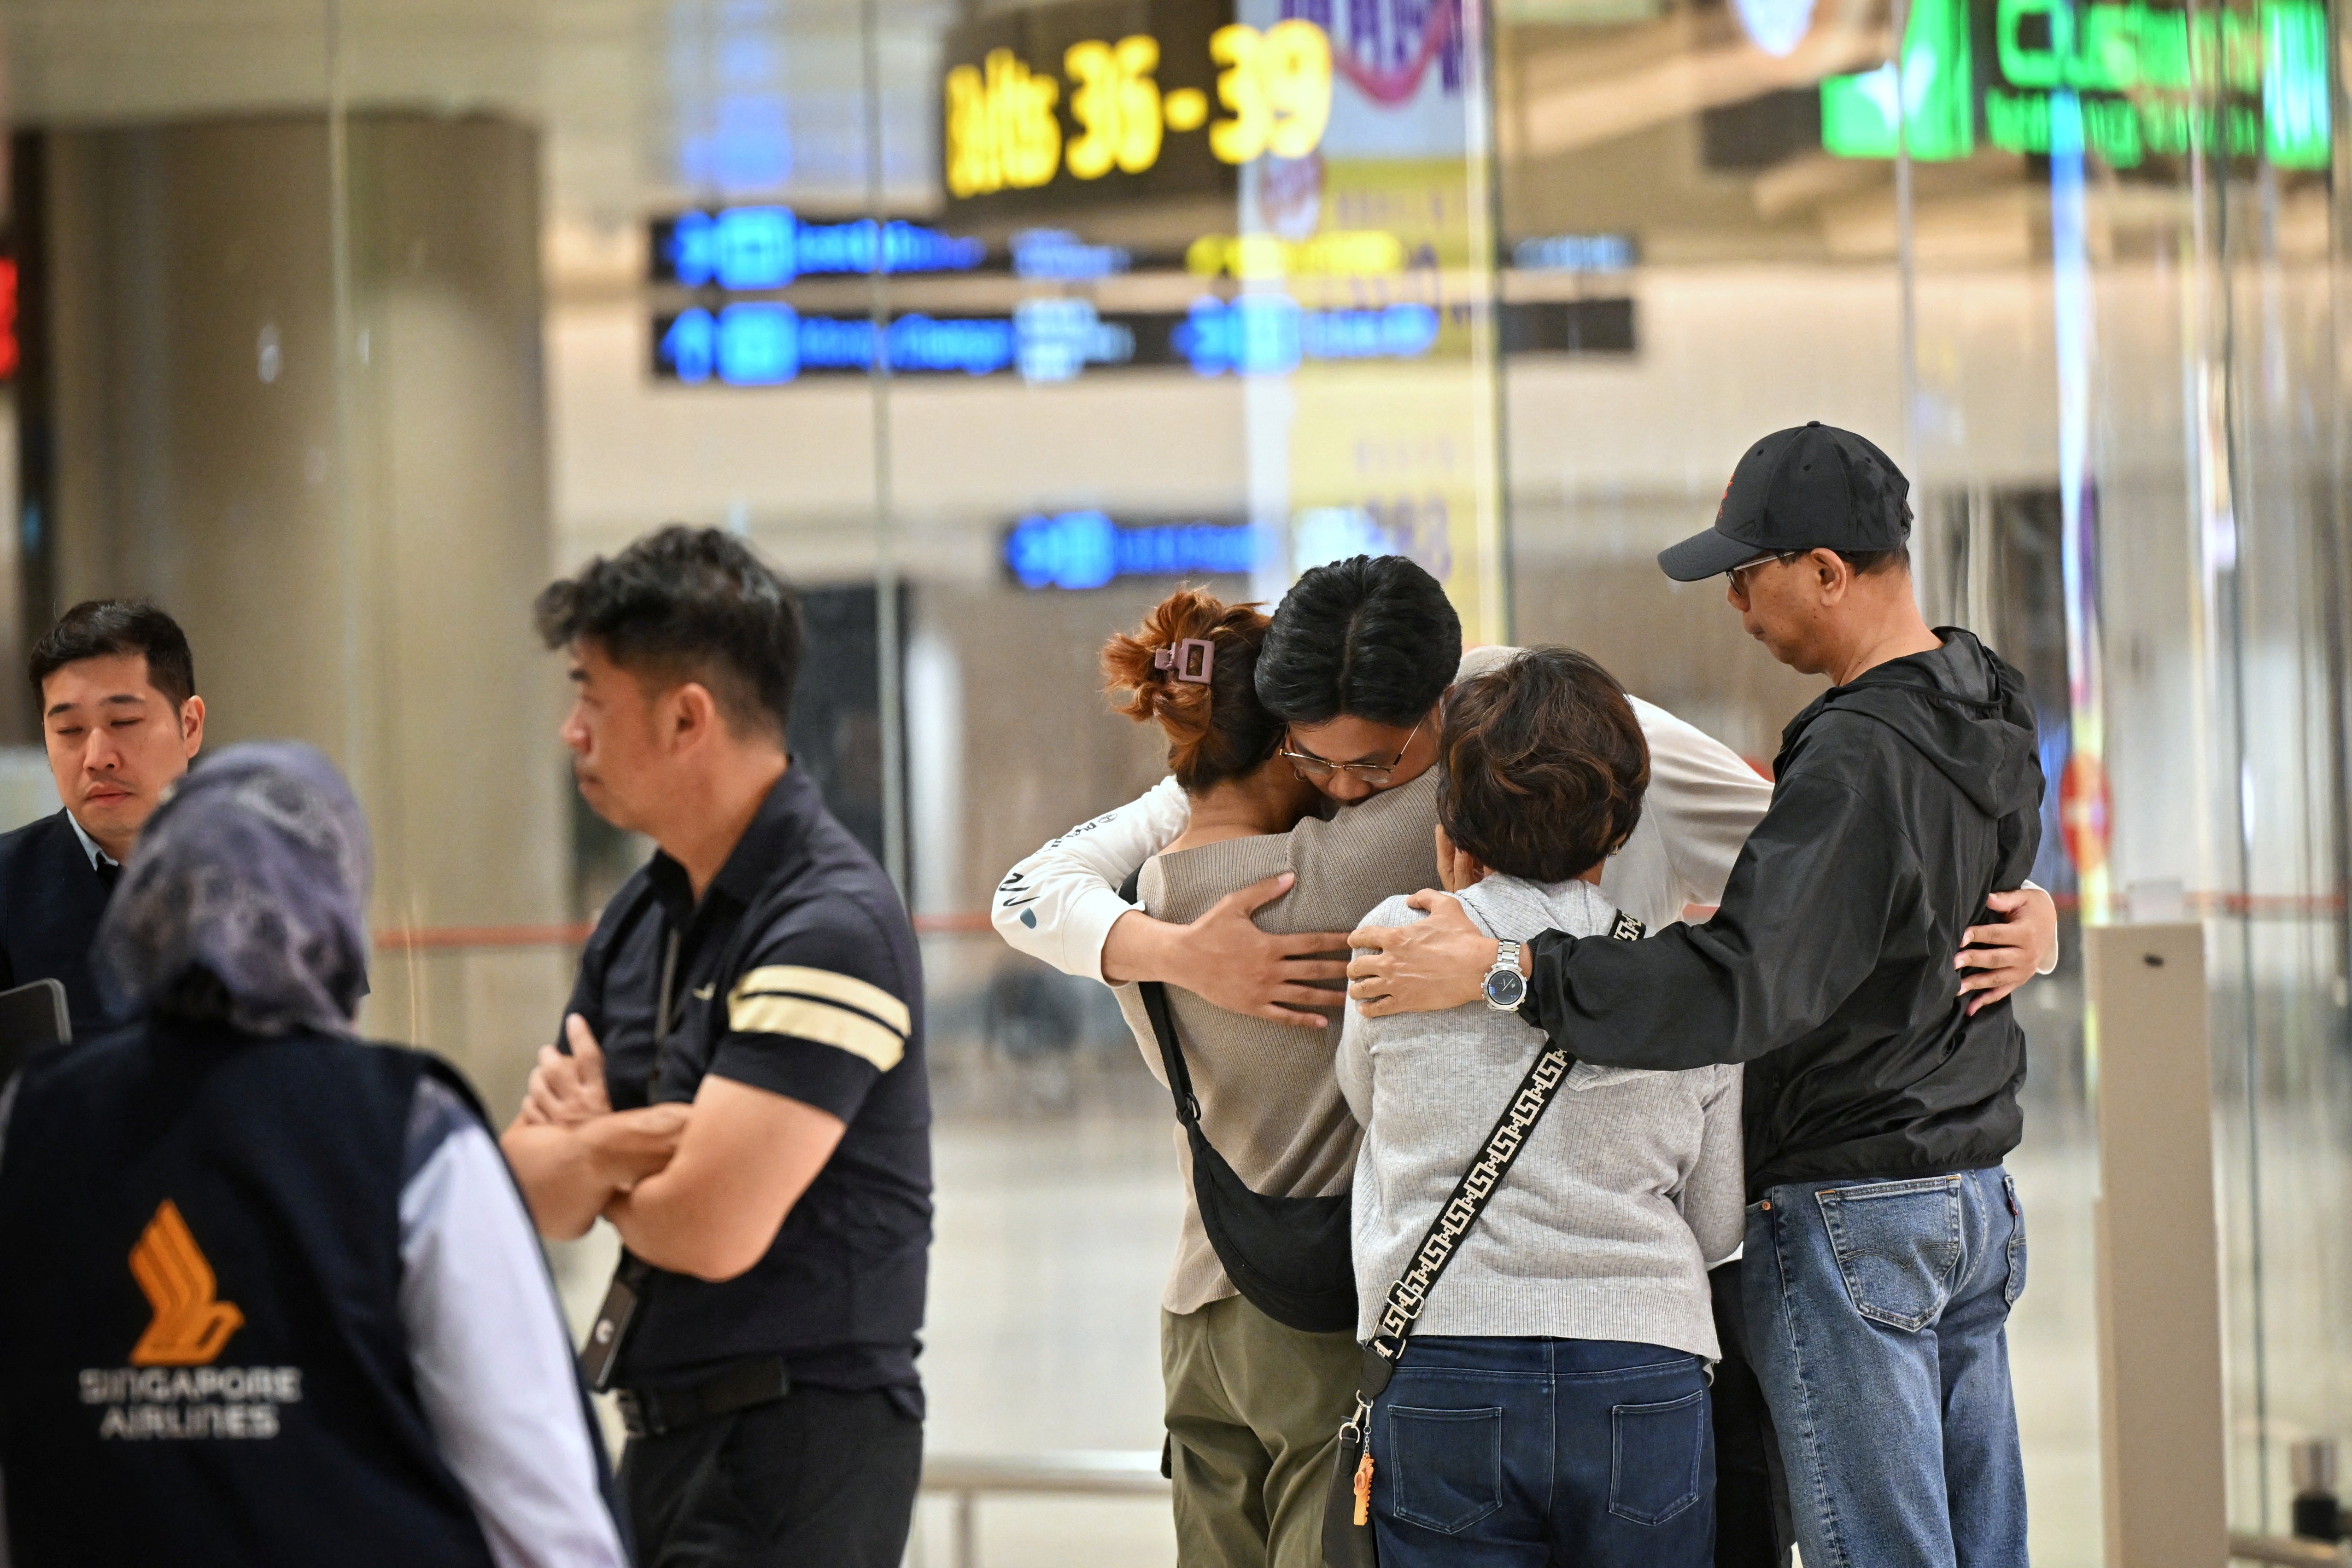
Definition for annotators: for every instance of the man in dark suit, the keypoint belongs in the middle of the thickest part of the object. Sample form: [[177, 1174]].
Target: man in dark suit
[[117, 691]]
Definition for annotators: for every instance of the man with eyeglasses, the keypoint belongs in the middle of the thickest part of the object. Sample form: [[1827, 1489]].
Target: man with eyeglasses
[[1360, 655], [1357, 662]]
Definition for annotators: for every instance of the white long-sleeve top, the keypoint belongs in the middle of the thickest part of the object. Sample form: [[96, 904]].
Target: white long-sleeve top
[[1059, 904], [492, 1352]]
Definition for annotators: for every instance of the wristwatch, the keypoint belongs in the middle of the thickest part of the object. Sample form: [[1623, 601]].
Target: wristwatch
[[1506, 988]]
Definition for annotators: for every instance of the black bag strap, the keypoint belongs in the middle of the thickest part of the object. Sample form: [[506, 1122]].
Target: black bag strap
[[1471, 1193], [1171, 1053], [1163, 1028]]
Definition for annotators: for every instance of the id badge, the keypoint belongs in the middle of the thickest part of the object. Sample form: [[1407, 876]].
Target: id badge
[[609, 1332]]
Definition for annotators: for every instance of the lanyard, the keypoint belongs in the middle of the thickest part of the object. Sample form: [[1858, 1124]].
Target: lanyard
[[631, 1279]]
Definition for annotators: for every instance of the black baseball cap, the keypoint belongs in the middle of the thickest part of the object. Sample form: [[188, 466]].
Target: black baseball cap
[[1813, 487]]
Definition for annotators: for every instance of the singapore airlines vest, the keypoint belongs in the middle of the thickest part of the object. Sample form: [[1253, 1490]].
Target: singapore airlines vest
[[201, 1351]]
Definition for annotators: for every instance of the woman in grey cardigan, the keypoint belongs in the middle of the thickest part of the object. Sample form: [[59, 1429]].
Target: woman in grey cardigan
[[1551, 1405]]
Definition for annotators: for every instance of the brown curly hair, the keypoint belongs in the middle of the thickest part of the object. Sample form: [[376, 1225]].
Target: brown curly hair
[[1544, 767], [1215, 732]]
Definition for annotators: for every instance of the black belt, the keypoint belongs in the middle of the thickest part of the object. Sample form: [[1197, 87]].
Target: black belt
[[650, 1411]]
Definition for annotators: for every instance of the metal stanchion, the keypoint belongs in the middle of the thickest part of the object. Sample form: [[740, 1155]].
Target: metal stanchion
[[2318, 1515], [2289, 1553]]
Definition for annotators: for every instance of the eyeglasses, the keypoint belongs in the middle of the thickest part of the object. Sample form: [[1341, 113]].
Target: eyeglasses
[[1315, 770], [1783, 556]]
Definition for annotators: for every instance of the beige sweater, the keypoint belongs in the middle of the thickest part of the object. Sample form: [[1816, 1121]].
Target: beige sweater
[[1269, 1103], [1059, 904]]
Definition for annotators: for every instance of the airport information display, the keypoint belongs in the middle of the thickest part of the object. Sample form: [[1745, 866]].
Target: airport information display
[[1002, 131], [766, 343], [746, 249], [1085, 549], [2123, 79], [1124, 99]]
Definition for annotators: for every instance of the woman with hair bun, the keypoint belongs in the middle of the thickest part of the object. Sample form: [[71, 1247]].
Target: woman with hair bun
[[1253, 1405], [1189, 669]]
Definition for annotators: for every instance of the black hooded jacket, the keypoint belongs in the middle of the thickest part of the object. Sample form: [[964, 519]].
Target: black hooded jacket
[[1902, 801]]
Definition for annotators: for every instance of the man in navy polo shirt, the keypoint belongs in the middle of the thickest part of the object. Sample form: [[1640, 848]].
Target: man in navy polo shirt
[[742, 1089], [120, 714]]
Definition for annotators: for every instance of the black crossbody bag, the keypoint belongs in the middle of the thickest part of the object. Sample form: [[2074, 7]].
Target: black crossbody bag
[[1347, 1540], [1288, 1257]]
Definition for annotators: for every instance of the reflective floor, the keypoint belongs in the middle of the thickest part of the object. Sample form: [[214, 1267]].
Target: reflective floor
[[1057, 1212]]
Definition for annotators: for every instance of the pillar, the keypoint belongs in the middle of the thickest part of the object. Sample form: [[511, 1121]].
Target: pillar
[[294, 394]]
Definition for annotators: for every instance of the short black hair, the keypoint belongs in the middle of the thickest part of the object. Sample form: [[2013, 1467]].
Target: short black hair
[[113, 628], [1543, 765], [1866, 562], [1373, 637], [688, 604]]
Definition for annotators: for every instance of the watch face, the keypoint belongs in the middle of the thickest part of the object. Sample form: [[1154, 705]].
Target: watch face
[[1506, 988]]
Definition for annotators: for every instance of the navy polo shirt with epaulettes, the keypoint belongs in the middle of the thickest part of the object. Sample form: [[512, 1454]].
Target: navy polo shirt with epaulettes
[[796, 973]]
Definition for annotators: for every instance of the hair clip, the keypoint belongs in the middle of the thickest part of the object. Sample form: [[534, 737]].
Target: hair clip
[[1180, 662]]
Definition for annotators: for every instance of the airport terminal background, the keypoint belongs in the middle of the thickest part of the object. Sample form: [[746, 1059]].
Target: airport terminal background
[[341, 326]]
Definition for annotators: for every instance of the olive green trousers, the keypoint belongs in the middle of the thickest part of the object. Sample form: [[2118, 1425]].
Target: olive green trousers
[[1254, 1414]]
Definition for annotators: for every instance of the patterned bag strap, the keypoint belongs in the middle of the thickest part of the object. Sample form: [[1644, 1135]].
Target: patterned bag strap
[[1477, 1188]]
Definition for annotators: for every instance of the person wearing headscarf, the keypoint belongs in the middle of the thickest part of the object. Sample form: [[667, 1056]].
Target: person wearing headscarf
[[275, 1298]]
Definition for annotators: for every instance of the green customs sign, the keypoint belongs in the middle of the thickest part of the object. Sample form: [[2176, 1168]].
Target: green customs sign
[[2151, 81]]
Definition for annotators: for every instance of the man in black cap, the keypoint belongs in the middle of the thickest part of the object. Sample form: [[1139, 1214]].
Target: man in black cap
[[1885, 1243]]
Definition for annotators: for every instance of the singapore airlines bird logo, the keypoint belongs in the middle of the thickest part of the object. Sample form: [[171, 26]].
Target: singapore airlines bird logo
[[191, 1324]]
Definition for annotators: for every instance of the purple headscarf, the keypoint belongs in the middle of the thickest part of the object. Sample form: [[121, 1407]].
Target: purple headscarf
[[246, 898]]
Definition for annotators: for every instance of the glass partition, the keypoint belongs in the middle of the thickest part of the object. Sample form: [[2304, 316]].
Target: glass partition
[[343, 325], [2138, 218]]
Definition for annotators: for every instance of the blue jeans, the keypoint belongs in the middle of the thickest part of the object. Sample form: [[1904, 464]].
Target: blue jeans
[[1516, 1453], [1878, 1317]]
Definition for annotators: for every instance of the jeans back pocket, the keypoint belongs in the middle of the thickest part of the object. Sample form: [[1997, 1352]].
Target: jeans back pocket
[[1654, 1456], [1897, 1244], [1449, 1465]]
